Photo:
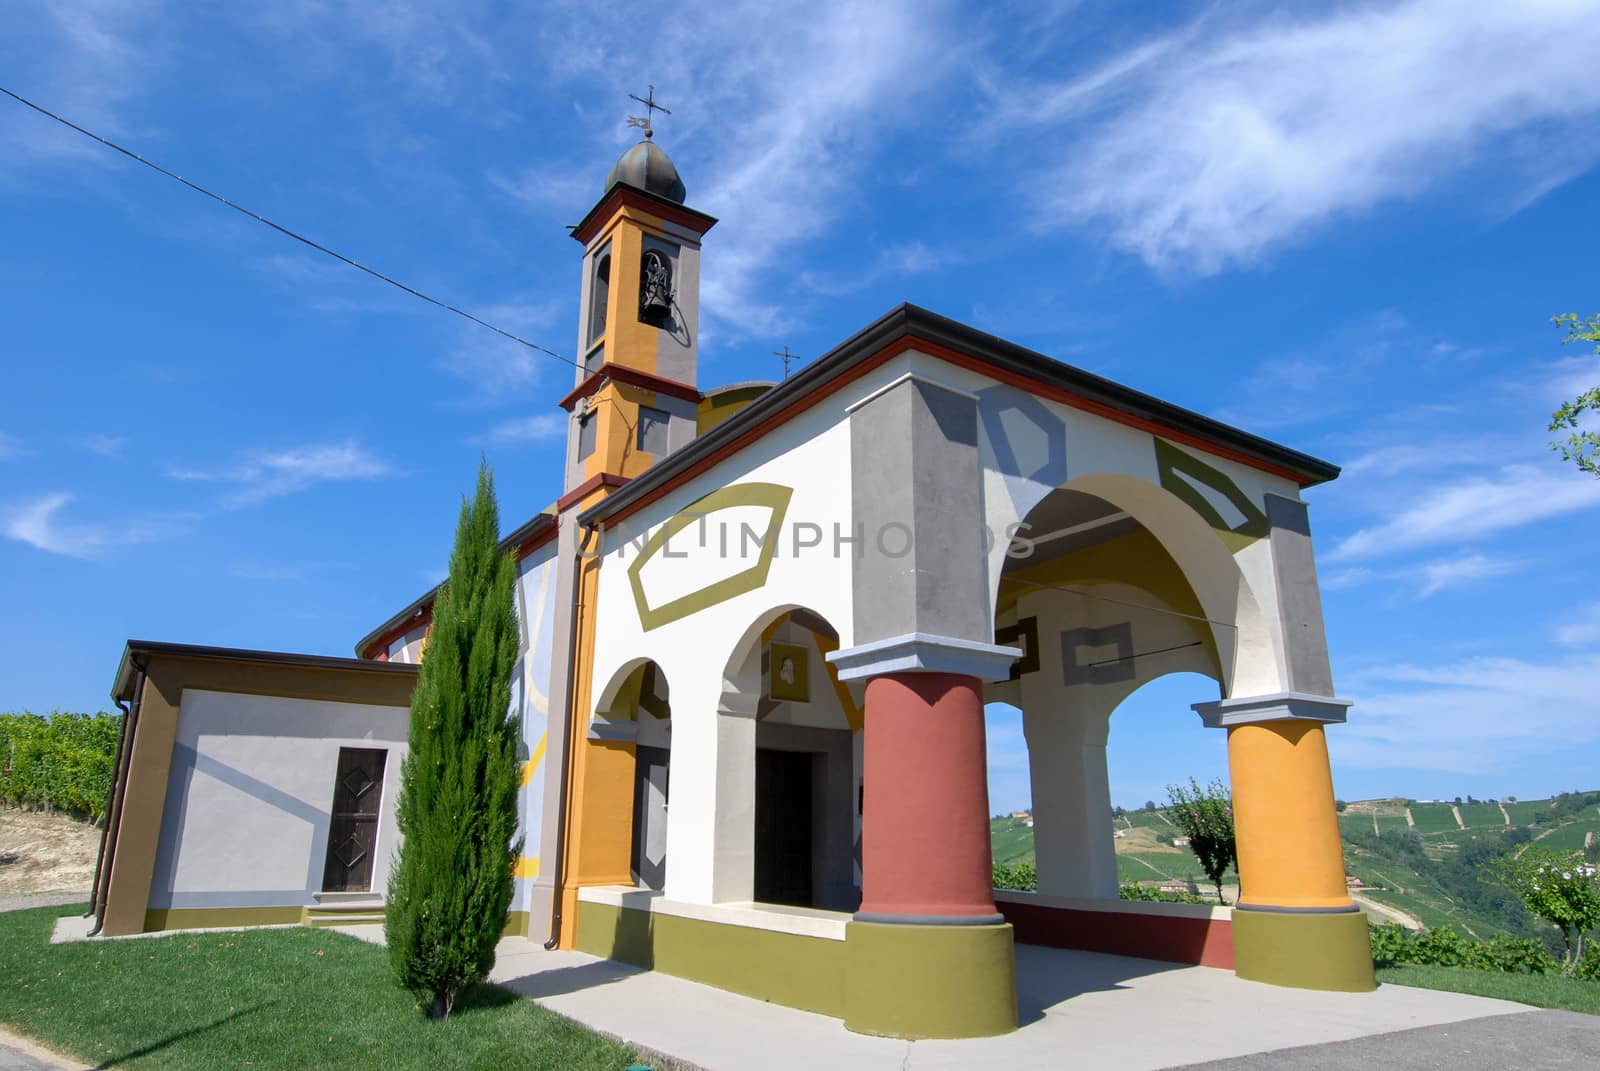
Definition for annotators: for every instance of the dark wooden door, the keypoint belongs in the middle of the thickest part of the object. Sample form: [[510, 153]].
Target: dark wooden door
[[783, 827], [353, 831]]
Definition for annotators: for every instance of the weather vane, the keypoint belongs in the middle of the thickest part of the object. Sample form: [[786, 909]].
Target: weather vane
[[651, 107]]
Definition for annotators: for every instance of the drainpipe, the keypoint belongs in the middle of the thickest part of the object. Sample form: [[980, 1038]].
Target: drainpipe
[[119, 791], [569, 745]]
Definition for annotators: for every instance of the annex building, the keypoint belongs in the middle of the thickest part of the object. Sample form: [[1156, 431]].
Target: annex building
[[759, 627]]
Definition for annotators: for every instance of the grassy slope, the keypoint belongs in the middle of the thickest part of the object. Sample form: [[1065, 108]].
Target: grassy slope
[[1542, 991], [1482, 816], [1010, 840], [290, 998], [1434, 818]]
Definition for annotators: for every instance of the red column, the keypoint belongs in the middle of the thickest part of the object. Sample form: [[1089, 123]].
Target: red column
[[925, 820]]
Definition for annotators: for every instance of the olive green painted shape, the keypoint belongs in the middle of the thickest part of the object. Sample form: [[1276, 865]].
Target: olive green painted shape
[[910, 981], [205, 918], [1170, 462], [1305, 950], [772, 495], [785, 968]]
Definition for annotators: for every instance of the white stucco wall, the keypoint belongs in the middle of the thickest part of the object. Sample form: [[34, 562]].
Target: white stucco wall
[[250, 795]]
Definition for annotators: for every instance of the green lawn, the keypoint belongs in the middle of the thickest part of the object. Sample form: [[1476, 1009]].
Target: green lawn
[[1542, 991], [1434, 817], [291, 998]]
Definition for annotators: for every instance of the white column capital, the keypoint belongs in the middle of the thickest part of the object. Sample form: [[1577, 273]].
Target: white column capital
[[1280, 706], [921, 652]]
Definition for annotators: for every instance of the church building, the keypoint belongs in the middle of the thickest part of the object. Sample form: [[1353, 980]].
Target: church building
[[760, 624]]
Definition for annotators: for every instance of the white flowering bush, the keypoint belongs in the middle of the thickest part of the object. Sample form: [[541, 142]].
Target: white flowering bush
[[1562, 889]]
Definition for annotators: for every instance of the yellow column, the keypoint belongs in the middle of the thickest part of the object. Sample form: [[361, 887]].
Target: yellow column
[[1286, 828], [1294, 924]]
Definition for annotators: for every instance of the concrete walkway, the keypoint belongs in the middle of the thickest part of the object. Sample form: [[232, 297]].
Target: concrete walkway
[[1087, 1009]]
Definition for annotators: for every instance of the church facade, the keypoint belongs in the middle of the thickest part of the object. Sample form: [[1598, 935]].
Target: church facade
[[760, 626]]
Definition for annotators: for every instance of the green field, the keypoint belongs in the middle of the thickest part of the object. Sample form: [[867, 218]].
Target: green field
[[1386, 822], [1434, 818], [1522, 811], [1011, 841], [1360, 822], [1482, 816], [1570, 837]]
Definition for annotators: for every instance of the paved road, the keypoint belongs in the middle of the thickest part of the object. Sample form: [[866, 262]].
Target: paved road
[[1529, 1041]]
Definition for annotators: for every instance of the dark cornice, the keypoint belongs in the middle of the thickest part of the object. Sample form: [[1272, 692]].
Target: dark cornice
[[908, 327], [147, 649], [621, 193], [621, 373]]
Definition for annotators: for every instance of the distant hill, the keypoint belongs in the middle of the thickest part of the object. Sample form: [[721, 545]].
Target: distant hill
[[1422, 860]]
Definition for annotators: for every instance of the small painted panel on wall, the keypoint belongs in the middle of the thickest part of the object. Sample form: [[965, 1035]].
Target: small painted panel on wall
[[1023, 634], [1087, 658], [789, 678]]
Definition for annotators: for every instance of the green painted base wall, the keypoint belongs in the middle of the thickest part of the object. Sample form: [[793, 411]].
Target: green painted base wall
[[1306, 951], [788, 969], [909, 981], [202, 918]]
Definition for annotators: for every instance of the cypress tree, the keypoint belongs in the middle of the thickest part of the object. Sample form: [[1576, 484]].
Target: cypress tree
[[451, 885]]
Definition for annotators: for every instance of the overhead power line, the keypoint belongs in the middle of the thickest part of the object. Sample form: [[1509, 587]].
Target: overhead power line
[[318, 246]]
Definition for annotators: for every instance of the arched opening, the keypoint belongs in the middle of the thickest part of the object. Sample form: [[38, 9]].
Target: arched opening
[[803, 763], [1154, 743], [599, 297], [636, 707], [1101, 607]]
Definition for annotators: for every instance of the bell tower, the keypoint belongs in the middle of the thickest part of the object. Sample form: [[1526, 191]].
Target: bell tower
[[635, 396]]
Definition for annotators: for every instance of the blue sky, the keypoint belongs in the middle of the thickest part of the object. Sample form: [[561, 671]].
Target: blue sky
[[1343, 227]]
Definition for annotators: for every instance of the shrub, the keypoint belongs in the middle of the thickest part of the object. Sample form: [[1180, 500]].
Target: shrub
[[1561, 888], [1205, 815], [1444, 947], [1023, 877], [59, 761], [1147, 894]]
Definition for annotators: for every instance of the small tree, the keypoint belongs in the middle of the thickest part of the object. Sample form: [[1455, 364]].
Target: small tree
[[1582, 444], [1206, 817], [1562, 889], [451, 886]]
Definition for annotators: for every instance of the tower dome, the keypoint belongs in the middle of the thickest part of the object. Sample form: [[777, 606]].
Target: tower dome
[[648, 167]]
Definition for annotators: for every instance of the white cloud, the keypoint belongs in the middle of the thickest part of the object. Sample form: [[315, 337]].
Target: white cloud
[[778, 112], [269, 474], [495, 365], [1454, 572], [108, 446], [1475, 507], [896, 261], [539, 428], [1225, 140], [11, 447], [38, 524], [1469, 716], [1582, 628], [82, 60]]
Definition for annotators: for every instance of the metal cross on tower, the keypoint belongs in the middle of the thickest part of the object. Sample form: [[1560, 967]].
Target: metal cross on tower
[[651, 107], [787, 357]]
